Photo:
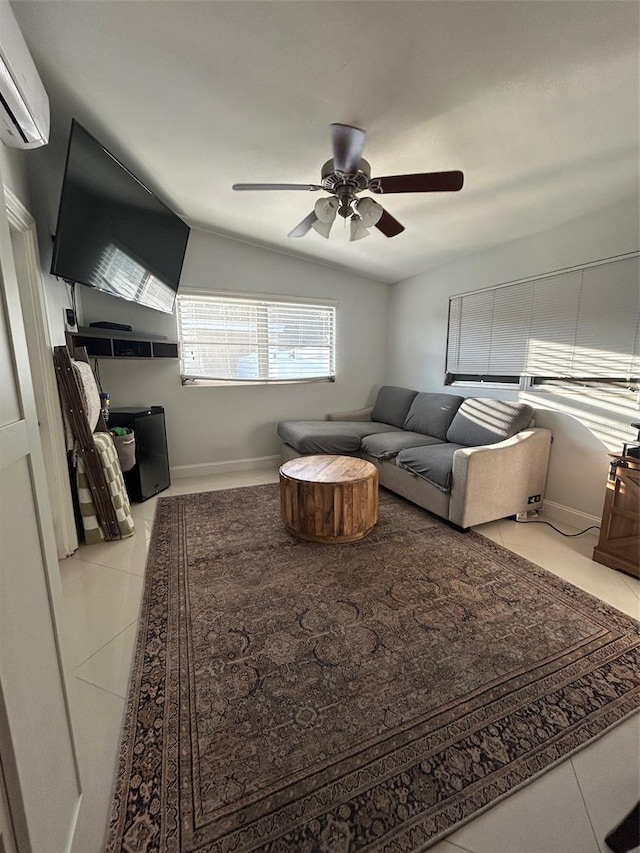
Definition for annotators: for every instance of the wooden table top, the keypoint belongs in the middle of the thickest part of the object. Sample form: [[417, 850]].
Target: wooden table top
[[328, 469]]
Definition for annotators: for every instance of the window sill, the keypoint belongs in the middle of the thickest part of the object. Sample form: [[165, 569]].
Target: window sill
[[511, 386], [594, 391], [568, 388], [232, 383]]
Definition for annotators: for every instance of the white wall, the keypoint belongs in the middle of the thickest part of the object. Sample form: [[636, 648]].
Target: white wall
[[14, 173], [218, 424], [584, 429]]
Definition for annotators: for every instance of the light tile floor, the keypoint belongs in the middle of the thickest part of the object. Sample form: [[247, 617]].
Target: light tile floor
[[567, 810]]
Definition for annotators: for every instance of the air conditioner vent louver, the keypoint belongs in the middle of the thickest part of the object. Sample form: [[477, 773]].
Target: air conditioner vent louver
[[24, 105]]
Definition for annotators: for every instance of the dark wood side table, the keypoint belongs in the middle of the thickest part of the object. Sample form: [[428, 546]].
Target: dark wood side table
[[619, 543]]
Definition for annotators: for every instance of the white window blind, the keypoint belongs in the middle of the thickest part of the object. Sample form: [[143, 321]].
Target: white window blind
[[255, 340], [579, 324]]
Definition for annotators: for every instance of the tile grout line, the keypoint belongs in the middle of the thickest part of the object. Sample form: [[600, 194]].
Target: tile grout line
[[131, 544], [124, 551], [629, 586], [457, 846], [66, 584], [91, 563], [79, 552], [98, 687], [126, 572], [586, 807], [121, 571], [103, 646]]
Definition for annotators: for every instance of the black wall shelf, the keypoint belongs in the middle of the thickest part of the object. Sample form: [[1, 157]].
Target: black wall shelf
[[107, 343]]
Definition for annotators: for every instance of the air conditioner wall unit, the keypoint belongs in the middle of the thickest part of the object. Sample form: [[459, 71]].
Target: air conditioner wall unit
[[24, 104]]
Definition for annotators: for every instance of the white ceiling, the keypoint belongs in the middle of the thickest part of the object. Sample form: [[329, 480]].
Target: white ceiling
[[537, 102]]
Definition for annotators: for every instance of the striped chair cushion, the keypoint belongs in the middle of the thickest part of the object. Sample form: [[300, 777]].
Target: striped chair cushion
[[117, 489]]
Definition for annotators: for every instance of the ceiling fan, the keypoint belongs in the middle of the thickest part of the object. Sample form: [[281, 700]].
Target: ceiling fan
[[345, 176]]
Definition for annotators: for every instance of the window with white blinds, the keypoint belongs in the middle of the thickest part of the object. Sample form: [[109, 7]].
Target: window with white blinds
[[582, 324], [236, 338]]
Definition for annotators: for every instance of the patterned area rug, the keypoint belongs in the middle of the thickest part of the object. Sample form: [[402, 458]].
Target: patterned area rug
[[293, 697]]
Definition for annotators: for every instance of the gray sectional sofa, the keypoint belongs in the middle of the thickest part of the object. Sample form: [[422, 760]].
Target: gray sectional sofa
[[467, 460]]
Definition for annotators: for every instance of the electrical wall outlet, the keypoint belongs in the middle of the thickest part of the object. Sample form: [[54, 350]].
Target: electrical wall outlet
[[534, 499]]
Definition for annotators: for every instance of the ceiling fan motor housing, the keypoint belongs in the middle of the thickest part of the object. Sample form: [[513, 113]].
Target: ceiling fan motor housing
[[331, 179], [345, 185]]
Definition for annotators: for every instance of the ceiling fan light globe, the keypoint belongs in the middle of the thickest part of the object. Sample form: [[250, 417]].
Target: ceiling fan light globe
[[369, 211], [326, 208], [357, 229], [323, 228]]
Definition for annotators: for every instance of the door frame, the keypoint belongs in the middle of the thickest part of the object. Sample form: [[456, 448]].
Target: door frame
[[22, 438], [34, 309]]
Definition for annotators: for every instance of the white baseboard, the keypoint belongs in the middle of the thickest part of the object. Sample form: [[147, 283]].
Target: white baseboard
[[204, 469], [567, 515]]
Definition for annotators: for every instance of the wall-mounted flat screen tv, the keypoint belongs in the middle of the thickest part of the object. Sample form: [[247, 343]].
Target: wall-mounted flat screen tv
[[113, 233]]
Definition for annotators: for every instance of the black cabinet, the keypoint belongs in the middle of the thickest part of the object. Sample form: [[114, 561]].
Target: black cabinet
[[150, 474]]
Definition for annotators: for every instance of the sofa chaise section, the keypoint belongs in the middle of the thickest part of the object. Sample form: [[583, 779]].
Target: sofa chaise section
[[344, 435], [339, 438]]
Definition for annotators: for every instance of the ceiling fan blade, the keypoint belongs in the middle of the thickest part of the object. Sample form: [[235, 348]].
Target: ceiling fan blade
[[308, 187], [426, 182], [301, 229], [348, 143], [389, 225]]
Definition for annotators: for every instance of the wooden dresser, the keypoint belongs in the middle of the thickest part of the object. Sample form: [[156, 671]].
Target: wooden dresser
[[619, 543]]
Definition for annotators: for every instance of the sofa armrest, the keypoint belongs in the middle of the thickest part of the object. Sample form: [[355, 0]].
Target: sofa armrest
[[356, 415], [496, 480]]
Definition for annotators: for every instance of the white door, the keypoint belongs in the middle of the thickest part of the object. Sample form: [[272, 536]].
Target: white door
[[37, 750], [7, 838], [22, 229]]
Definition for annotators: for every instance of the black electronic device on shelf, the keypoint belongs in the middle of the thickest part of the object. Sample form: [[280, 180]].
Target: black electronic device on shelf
[[150, 475], [105, 324]]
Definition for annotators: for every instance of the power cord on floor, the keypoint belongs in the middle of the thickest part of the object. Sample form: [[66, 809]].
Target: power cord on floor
[[548, 523]]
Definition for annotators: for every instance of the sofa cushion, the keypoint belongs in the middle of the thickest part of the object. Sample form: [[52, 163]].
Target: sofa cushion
[[481, 421], [392, 405], [387, 444], [431, 414], [434, 463], [329, 436]]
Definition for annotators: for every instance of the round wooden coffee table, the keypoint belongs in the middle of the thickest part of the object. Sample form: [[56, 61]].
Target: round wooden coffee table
[[329, 499]]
